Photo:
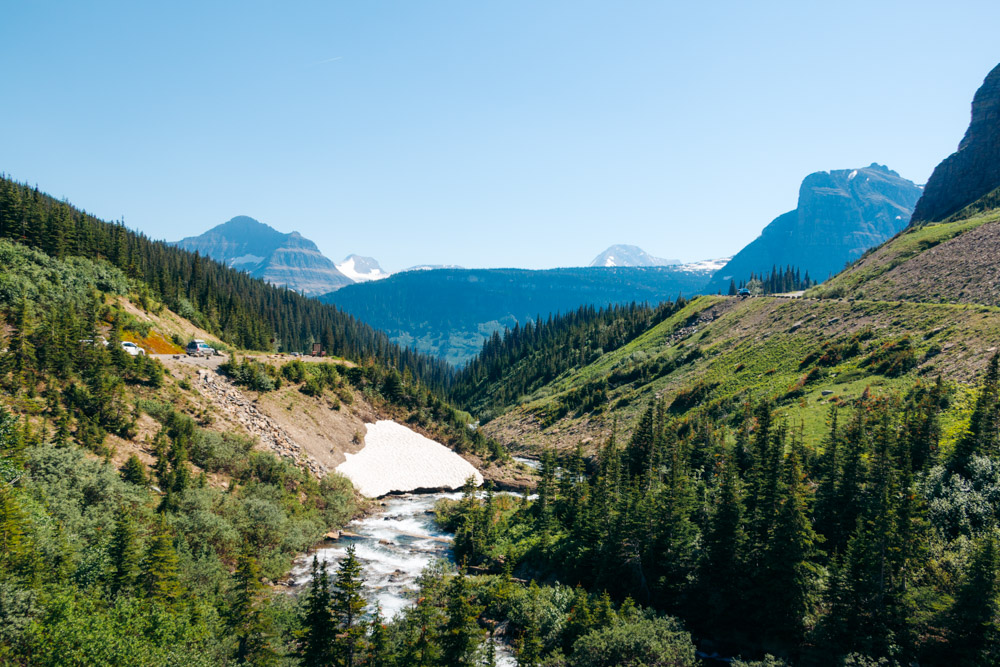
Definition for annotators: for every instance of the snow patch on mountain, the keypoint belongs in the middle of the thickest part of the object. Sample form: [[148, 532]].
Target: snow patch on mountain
[[361, 269], [707, 265], [630, 255]]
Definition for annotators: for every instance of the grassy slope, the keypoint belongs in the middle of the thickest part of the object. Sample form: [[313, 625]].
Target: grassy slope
[[754, 348], [904, 247]]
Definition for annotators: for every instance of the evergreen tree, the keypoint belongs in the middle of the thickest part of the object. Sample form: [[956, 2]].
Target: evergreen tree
[[124, 556], [315, 647], [245, 618], [982, 437], [792, 576], [159, 568], [530, 646], [462, 635], [134, 472], [723, 569], [379, 649], [348, 608], [973, 623]]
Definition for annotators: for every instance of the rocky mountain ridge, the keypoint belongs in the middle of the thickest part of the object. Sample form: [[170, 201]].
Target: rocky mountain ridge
[[972, 171], [289, 260], [839, 215]]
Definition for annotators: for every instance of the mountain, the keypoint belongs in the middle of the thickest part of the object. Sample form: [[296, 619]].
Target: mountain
[[949, 252], [432, 267], [630, 255], [973, 171], [361, 269], [286, 260], [449, 313], [840, 214]]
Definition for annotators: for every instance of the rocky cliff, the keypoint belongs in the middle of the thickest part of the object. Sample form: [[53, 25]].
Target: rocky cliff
[[262, 251], [974, 169], [840, 214]]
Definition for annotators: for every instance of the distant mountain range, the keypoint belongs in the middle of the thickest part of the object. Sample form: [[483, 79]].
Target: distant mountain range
[[630, 255], [451, 312], [840, 214], [288, 260]]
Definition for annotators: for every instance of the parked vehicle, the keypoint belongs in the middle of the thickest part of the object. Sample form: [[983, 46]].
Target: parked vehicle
[[133, 349], [199, 348], [743, 293]]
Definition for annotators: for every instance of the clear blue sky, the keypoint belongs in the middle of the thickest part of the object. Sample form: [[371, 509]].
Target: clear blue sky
[[505, 133]]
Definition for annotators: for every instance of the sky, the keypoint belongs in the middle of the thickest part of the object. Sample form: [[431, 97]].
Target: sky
[[483, 134]]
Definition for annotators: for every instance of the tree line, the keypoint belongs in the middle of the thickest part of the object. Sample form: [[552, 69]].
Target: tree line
[[522, 359], [243, 311], [775, 281]]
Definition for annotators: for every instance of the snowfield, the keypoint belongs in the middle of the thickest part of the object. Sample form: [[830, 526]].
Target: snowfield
[[397, 459]]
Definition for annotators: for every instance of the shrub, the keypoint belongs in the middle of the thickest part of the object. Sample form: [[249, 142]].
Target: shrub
[[660, 641]]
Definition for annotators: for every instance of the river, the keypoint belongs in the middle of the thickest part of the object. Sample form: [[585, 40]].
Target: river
[[394, 545]]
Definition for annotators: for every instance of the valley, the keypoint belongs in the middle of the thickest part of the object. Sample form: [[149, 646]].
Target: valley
[[232, 450]]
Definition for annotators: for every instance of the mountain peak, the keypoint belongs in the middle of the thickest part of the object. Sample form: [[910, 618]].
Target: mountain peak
[[974, 169], [289, 260], [839, 215], [630, 255], [361, 269]]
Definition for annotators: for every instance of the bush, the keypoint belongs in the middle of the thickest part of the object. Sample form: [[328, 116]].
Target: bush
[[660, 641], [252, 374]]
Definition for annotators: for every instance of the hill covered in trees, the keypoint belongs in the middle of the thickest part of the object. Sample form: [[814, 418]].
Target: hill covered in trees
[[241, 310], [450, 313]]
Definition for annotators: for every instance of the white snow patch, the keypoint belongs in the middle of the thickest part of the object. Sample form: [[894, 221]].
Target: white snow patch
[[245, 259], [347, 268], [397, 459], [712, 265], [851, 175]]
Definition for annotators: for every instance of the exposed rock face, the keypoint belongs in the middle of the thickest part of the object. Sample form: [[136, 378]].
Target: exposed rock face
[[630, 255], [282, 259], [840, 215], [974, 169], [232, 401]]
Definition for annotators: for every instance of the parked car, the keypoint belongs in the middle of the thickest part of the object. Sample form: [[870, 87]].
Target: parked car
[[743, 293], [133, 349], [199, 348]]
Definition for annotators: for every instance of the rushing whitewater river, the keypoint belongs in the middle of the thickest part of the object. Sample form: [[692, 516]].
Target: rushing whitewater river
[[394, 546]]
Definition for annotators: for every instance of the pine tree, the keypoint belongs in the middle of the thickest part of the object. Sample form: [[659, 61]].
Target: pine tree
[[124, 556], [11, 526], [159, 568], [315, 648], [379, 650], [791, 577], [580, 619], [134, 472], [462, 635], [530, 646], [348, 608], [981, 439], [973, 623], [245, 619], [723, 569]]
